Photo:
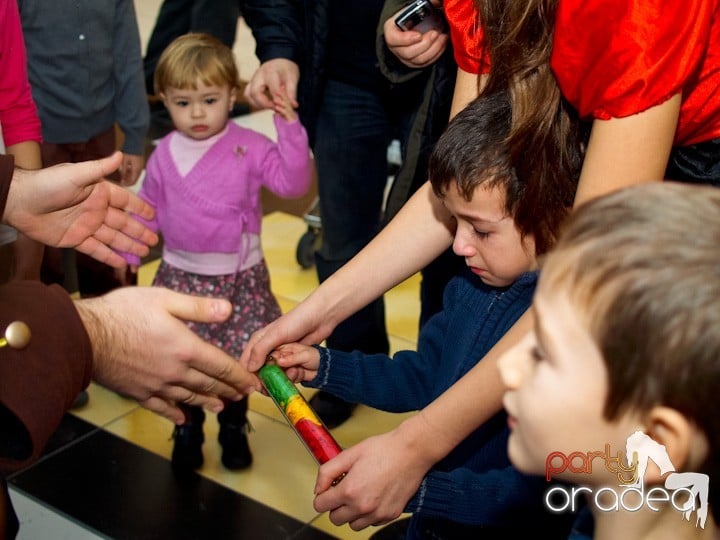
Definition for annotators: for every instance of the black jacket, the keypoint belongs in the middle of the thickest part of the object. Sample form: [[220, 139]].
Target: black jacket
[[430, 113], [298, 31]]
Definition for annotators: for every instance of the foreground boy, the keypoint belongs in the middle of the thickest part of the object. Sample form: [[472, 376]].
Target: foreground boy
[[616, 387]]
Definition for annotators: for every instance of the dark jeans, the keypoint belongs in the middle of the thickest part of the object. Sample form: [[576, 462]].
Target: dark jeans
[[177, 17], [354, 128]]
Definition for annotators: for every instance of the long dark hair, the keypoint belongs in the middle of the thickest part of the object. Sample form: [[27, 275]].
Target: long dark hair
[[545, 141]]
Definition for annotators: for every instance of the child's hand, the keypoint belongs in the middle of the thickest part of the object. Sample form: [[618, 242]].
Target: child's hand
[[283, 106], [299, 361], [126, 275]]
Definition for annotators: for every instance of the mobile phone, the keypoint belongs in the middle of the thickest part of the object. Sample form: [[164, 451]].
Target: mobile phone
[[420, 15]]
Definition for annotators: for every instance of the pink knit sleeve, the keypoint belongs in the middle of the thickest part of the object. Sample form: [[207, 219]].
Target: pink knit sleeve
[[287, 165]]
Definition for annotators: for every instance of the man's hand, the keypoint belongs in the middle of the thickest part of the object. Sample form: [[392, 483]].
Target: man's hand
[[143, 349], [71, 205], [274, 77]]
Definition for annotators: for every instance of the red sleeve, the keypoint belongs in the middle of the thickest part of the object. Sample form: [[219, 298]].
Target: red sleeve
[[18, 116], [615, 58], [39, 383], [467, 36]]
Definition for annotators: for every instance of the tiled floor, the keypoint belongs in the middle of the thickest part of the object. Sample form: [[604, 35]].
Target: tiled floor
[[117, 479], [107, 473]]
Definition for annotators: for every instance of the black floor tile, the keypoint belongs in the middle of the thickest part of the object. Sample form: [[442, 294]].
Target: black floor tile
[[123, 491]]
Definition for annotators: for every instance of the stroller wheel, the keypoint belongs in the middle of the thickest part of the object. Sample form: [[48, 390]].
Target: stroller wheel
[[305, 253]]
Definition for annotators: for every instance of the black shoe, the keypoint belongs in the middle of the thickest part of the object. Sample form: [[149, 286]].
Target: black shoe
[[187, 451], [332, 410], [81, 400], [236, 453]]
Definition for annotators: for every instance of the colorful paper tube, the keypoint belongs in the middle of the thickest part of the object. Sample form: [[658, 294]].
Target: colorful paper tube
[[299, 414]]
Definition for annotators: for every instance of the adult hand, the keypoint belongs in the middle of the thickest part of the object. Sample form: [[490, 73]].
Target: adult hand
[[70, 205], [414, 49], [307, 323], [382, 474], [143, 349], [132, 166], [278, 76]]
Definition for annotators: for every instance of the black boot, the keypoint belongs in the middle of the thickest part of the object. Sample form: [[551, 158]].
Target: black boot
[[234, 427], [187, 451]]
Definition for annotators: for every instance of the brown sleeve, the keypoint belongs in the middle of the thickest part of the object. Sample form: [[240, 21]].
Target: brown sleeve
[[6, 172], [39, 383]]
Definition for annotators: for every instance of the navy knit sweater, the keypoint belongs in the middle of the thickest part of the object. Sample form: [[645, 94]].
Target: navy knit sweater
[[475, 484]]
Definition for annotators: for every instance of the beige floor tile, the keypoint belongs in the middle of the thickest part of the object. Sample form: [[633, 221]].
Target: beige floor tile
[[104, 406]]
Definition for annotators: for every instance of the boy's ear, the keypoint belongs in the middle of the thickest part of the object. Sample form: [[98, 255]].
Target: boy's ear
[[685, 444]]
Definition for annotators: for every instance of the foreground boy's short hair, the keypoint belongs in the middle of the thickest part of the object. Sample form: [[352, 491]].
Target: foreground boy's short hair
[[643, 267]]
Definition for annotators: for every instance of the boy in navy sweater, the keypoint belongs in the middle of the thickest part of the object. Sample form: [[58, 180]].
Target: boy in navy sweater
[[474, 491]]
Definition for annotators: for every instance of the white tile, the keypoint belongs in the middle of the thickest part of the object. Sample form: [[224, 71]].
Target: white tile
[[37, 522]]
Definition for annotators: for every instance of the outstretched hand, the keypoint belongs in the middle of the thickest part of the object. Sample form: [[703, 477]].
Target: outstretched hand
[[142, 348], [71, 205], [306, 323]]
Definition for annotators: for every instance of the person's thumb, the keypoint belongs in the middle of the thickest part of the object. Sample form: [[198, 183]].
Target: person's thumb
[[196, 308], [90, 172]]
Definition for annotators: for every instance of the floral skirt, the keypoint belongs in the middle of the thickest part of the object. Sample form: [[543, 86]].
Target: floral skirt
[[254, 305]]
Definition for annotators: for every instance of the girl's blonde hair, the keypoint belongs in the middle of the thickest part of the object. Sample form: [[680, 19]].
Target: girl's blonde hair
[[195, 57]]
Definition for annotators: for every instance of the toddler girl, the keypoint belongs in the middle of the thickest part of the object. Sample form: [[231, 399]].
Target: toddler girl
[[204, 181]]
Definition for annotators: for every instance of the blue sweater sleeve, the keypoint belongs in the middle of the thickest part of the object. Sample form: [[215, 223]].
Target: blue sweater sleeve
[[405, 382], [402, 383], [496, 497]]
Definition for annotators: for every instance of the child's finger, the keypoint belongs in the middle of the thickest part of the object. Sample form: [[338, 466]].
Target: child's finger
[[304, 357]]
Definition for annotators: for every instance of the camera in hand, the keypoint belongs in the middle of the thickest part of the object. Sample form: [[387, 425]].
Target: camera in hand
[[421, 16]]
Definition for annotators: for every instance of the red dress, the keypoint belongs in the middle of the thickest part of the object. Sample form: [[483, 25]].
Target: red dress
[[616, 58]]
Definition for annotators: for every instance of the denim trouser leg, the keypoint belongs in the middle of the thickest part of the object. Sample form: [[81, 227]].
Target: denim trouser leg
[[353, 133]]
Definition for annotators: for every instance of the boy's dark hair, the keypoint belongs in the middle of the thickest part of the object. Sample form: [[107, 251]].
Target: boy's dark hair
[[474, 151], [642, 265], [546, 139]]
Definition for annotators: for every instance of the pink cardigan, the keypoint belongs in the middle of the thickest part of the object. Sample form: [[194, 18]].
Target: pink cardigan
[[216, 205]]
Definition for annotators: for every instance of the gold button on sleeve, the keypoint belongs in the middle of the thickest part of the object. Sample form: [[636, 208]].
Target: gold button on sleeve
[[17, 335]]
